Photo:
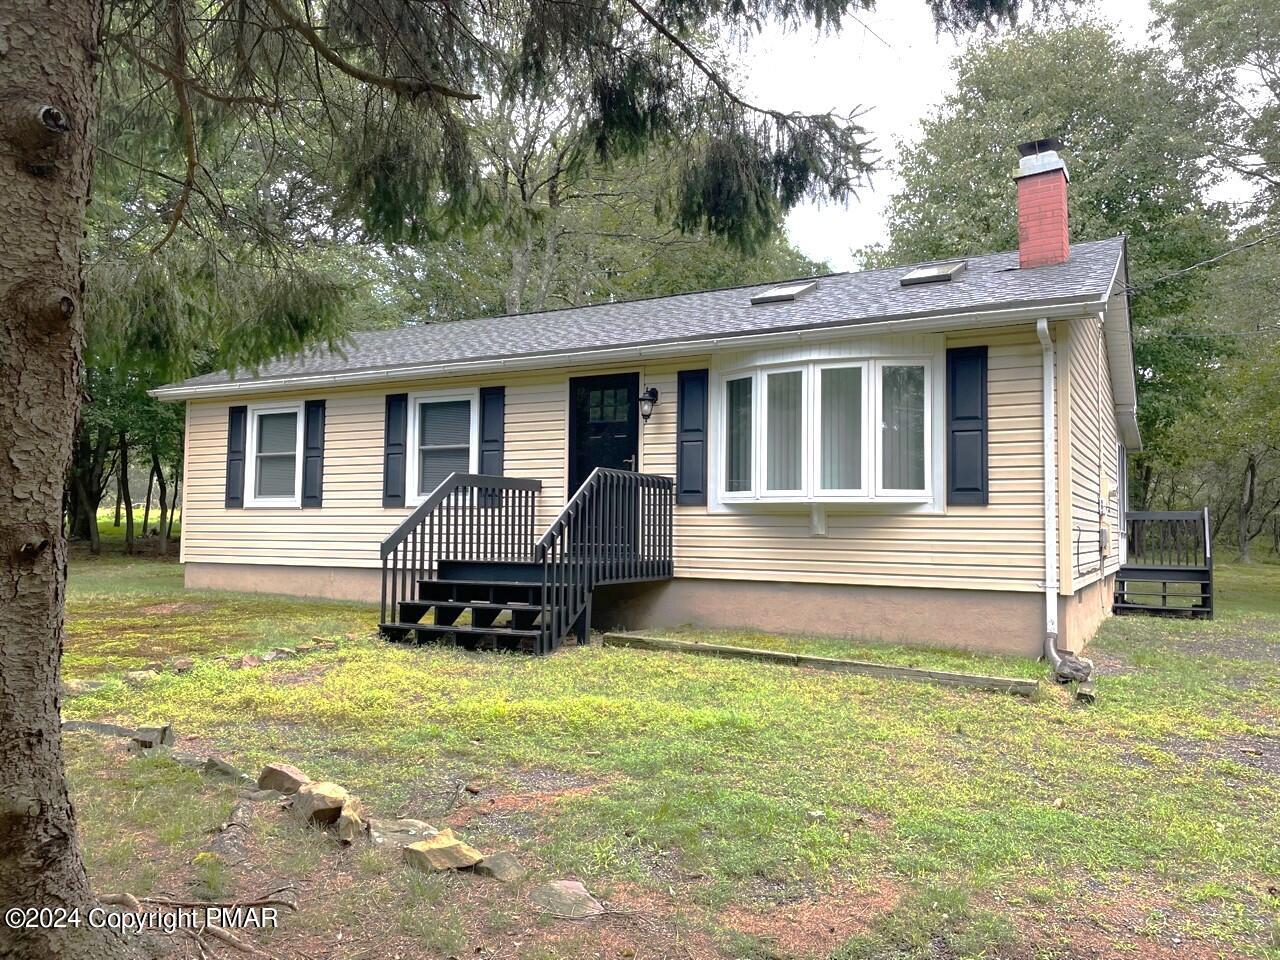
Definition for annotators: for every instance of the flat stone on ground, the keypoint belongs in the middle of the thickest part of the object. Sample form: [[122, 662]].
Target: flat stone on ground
[[319, 802], [444, 851], [501, 866], [283, 777], [566, 898], [400, 833]]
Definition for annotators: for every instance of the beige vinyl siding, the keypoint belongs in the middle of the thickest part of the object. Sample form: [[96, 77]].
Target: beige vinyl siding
[[1094, 464], [999, 546]]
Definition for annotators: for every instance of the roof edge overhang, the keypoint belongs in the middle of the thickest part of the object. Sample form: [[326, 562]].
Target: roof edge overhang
[[915, 323], [1117, 326]]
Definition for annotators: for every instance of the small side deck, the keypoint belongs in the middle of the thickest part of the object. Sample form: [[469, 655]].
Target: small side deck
[[1169, 568]]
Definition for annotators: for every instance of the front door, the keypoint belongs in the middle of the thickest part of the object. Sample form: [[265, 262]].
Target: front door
[[604, 424]]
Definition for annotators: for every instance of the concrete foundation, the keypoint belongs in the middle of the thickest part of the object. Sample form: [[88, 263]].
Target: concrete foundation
[[988, 621], [328, 583]]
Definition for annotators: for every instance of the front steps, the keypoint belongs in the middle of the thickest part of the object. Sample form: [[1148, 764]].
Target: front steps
[[499, 603]]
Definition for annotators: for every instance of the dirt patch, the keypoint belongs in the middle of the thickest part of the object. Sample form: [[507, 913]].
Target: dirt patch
[[500, 805], [817, 925], [1258, 752]]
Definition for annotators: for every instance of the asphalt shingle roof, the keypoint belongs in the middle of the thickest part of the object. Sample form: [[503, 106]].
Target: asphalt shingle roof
[[869, 296]]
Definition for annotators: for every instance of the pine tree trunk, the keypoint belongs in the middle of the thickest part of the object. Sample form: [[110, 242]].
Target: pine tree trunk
[[47, 104]]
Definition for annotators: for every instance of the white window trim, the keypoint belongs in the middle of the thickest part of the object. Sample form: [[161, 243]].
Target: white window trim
[[872, 492], [416, 400], [251, 498]]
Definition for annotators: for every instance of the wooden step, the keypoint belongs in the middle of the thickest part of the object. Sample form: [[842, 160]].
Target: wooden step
[[490, 571], [432, 630], [411, 611], [1163, 574]]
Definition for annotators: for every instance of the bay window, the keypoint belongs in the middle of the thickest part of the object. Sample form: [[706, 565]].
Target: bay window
[[443, 436], [849, 430]]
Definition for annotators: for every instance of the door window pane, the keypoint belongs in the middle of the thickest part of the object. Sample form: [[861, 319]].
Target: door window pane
[[902, 427], [276, 467], [737, 458], [841, 438], [444, 442], [785, 436]]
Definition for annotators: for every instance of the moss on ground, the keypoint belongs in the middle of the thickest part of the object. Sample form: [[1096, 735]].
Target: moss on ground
[[731, 782]]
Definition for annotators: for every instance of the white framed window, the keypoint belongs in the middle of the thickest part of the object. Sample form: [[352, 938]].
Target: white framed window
[[273, 467], [444, 438], [855, 430]]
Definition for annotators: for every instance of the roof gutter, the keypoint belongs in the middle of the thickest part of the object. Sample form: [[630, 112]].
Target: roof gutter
[[670, 348]]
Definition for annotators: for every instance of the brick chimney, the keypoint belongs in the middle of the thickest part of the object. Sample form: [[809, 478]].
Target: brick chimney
[[1043, 237]]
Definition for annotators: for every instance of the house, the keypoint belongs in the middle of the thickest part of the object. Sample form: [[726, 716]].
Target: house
[[930, 454]]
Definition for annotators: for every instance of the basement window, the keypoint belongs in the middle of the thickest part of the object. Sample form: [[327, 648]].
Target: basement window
[[784, 293], [941, 272]]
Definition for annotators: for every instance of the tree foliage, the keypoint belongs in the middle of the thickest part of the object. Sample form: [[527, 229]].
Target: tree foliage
[[1137, 149]]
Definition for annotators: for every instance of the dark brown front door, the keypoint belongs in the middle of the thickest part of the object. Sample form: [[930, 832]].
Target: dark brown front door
[[604, 424]]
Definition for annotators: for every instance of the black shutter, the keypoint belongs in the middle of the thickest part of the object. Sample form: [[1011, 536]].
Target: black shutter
[[313, 454], [492, 426], [237, 431], [691, 437], [967, 482], [394, 446]]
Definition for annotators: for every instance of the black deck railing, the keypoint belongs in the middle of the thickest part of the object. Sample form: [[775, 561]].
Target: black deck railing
[[1168, 569], [1161, 539], [617, 528], [468, 517]]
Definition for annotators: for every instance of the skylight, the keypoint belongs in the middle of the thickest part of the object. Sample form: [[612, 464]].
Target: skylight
[[786, 292], [935, 272]]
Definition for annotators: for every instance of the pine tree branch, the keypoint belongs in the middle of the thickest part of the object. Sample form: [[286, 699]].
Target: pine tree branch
[[404, 86], [192, 84], [178, 77]]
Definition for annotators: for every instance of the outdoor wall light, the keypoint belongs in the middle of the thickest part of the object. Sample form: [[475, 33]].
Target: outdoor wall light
[[647, 400]]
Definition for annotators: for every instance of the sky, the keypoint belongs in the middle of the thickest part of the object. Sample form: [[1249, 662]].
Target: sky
[[892, 65]]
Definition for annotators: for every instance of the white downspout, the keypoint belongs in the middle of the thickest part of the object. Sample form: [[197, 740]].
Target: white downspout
[[1050, 500]]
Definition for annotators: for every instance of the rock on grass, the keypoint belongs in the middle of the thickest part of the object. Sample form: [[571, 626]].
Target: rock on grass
[[444, 851], [568, 899], [283, 777], [319, 802]]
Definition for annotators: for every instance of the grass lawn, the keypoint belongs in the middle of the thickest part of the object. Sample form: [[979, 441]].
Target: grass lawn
[[721, 808]]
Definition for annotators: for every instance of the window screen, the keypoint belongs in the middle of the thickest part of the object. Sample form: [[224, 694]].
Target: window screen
[[737, 458], [841, 437], [785, 439], [902, 427], [277, 455], [444, 442]]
